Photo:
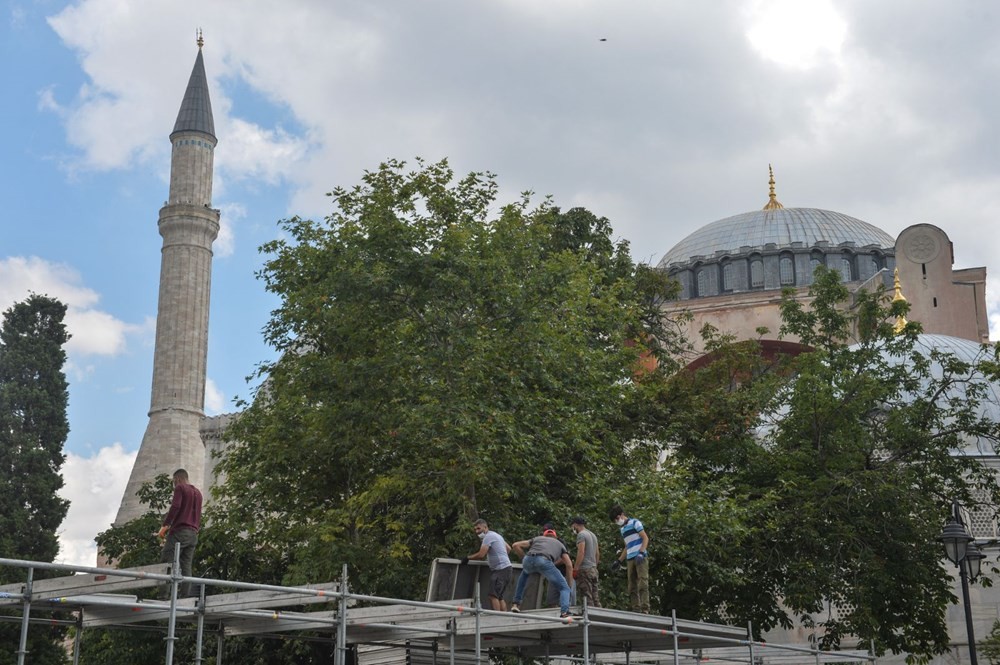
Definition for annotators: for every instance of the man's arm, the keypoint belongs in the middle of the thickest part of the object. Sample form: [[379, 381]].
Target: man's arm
[[645, 540], [481, 554], [581, 550], [567, 568], [519, 546], [176, 503]]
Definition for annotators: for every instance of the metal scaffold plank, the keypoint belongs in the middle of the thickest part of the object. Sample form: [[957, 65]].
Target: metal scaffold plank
[[90, 583]]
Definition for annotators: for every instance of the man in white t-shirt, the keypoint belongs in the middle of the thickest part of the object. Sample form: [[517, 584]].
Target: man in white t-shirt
[[497, 552]]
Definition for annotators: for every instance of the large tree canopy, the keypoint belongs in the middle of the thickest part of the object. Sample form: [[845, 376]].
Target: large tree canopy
[[441, 359], [839, 466]]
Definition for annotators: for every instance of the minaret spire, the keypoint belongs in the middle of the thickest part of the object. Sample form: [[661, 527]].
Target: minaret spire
[[189, 226], [772, 203]]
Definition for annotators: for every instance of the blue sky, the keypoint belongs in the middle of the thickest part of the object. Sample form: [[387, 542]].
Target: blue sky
[[660, 114]]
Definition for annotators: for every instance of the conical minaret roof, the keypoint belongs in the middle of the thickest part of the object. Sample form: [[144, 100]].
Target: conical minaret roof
[[196, 109]]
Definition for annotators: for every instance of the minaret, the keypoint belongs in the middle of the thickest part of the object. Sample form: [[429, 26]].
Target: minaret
[[188, 225]]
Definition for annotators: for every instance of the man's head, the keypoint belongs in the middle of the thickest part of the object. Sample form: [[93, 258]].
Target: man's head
[[549, 533], [180, 477], [480, 527], [617, 515], [578, 524]]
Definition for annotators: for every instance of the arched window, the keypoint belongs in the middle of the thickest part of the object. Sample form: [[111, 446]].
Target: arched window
[[756, 273], [786, 271], [878, 260], [846, 271], [702, 282], [728, 276], [816, 259]]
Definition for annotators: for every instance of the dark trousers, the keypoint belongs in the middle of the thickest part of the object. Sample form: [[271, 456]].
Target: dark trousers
[[188, 538]]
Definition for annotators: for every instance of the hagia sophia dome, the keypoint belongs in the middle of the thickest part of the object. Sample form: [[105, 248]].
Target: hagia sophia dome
[[776, 247]]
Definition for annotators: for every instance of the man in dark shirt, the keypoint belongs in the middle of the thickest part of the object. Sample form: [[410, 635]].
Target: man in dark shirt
[[181, 525]]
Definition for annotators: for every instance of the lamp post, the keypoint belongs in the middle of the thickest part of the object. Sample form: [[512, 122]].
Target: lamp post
[[960, 548]]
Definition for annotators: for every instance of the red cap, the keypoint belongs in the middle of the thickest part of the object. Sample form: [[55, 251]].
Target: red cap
[[549, 532]]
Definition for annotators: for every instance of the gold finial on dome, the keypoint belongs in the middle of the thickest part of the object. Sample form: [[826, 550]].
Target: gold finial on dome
[[201, 39], [897, 295], [772, 203]]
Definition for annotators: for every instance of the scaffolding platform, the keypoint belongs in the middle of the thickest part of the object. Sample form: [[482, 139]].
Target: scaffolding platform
[[384, 631]]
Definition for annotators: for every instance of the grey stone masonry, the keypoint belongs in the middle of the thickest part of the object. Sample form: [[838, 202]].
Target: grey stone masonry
[[189, 226]]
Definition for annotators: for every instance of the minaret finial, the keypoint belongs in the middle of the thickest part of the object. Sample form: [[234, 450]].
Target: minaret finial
[[201, 39], [897, 288], [772, 202]]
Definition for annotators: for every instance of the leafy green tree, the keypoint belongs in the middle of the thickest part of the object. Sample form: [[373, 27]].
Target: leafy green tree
[[841, 471], [33, 429], [441, 359]]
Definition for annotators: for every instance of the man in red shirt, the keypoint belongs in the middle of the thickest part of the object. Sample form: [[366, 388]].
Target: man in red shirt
[[181, 525]]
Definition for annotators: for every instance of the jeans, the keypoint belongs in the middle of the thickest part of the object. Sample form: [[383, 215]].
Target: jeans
[[534, 564], [188, 538]]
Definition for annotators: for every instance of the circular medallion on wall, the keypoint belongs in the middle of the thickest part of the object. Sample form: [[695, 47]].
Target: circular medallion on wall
[[922, 248]]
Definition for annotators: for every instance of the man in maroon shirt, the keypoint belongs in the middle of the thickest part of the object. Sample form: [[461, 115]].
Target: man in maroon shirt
[[181, 525]]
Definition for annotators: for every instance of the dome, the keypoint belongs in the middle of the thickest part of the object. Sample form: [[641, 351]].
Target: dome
[[776, 228]]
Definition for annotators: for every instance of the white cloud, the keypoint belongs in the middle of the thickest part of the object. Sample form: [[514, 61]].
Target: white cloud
[[257, 153], [225, 243], [796, 33], [993, 306], [94, 487], [94, 332], [215, 400]]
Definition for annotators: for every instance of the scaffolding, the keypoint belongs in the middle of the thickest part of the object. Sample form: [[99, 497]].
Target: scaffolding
[[374, 630]]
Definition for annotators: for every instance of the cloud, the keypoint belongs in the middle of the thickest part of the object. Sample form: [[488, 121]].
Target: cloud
[[993, 306], [215, 400], [94, 487], [94, 332], [877, 110]]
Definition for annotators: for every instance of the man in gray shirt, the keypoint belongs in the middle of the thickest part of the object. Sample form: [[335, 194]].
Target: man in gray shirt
[[588, 555], [543, 553]]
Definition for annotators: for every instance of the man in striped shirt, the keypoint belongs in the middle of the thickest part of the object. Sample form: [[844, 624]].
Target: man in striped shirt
[[635, 557]]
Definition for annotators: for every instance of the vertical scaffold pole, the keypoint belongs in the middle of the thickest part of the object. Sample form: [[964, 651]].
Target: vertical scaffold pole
[[586, 633], [218, 644], [628, 653], [77, 638], [478, 607], [451, 640], [172, 620], [22, 647], [750, 641], [341, 655], [201, 625], [673, 625]]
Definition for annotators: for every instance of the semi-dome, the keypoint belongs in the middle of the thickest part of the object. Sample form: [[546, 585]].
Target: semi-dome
[[777, 228], [969, 352]]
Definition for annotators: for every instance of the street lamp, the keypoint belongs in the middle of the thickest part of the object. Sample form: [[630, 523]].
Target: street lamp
[[961, 550]]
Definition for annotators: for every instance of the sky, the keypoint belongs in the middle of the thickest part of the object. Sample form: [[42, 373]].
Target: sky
[[661, 115]]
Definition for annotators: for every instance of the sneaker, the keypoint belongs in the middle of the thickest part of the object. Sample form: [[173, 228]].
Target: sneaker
[[515, 609], [565, 615]]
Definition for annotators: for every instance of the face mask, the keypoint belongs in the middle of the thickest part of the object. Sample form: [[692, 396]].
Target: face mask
[[620, 521], [481, 535]]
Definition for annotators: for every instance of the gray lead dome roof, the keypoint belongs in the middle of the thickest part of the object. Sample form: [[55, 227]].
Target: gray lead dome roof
[[782, 227]]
